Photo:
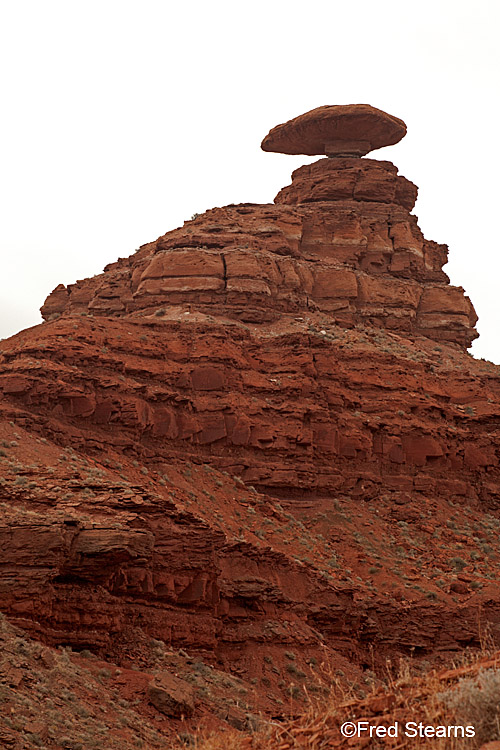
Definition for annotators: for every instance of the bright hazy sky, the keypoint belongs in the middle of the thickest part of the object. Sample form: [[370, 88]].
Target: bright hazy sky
[[121, 119]]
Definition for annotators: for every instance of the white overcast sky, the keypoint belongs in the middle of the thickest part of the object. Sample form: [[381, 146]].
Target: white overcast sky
[[120, 119]]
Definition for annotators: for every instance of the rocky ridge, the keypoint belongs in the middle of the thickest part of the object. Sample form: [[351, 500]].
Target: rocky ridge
[[339, 240]]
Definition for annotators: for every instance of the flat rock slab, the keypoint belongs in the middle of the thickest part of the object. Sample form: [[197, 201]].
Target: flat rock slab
[[336, 130]]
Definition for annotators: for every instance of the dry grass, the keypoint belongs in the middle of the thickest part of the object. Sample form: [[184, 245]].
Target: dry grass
[[468, 694], [48, 695]]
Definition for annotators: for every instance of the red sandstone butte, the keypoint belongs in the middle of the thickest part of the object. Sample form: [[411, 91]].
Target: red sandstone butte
[[260, 434]]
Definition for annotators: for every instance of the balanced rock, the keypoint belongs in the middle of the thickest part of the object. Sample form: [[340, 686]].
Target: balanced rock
[[338, 130]]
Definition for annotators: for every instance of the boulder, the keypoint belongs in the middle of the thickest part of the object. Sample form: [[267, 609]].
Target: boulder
[[345, 129], [171, 695]]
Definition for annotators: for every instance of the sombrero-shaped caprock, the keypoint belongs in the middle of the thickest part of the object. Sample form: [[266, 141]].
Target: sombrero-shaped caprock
[[336, 130]]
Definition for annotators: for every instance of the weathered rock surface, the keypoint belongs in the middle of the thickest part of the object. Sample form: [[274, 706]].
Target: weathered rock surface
[[171, 695], [361, 261], [359, 180], [259, 435], [338, 130]]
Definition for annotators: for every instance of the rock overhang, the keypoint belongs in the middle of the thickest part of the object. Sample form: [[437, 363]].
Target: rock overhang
[[336, 130]]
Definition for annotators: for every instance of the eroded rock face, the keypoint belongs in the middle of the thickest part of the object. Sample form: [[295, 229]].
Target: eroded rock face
[[171, 695], [340, 240], [358, 180], [362, 261], [232, 439], [353, 446]]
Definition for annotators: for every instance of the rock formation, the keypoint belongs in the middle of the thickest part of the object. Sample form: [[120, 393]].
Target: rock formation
[[339, 240], [260, 434], [341, 130]]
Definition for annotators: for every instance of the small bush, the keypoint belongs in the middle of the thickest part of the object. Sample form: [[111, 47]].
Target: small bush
[[458, 563], [476, 701], [293, 669], [294, 691]]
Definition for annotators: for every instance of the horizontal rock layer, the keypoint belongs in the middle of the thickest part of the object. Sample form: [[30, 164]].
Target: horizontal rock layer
[[359, 261], [309, 414], [260, 432], [349, 179]]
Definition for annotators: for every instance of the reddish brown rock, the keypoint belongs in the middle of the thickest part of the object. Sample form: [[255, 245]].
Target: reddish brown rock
[[259, 434], [55, 302], [349, 179], [277, 261], [338, 130], [171, 695], [459, 587]]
